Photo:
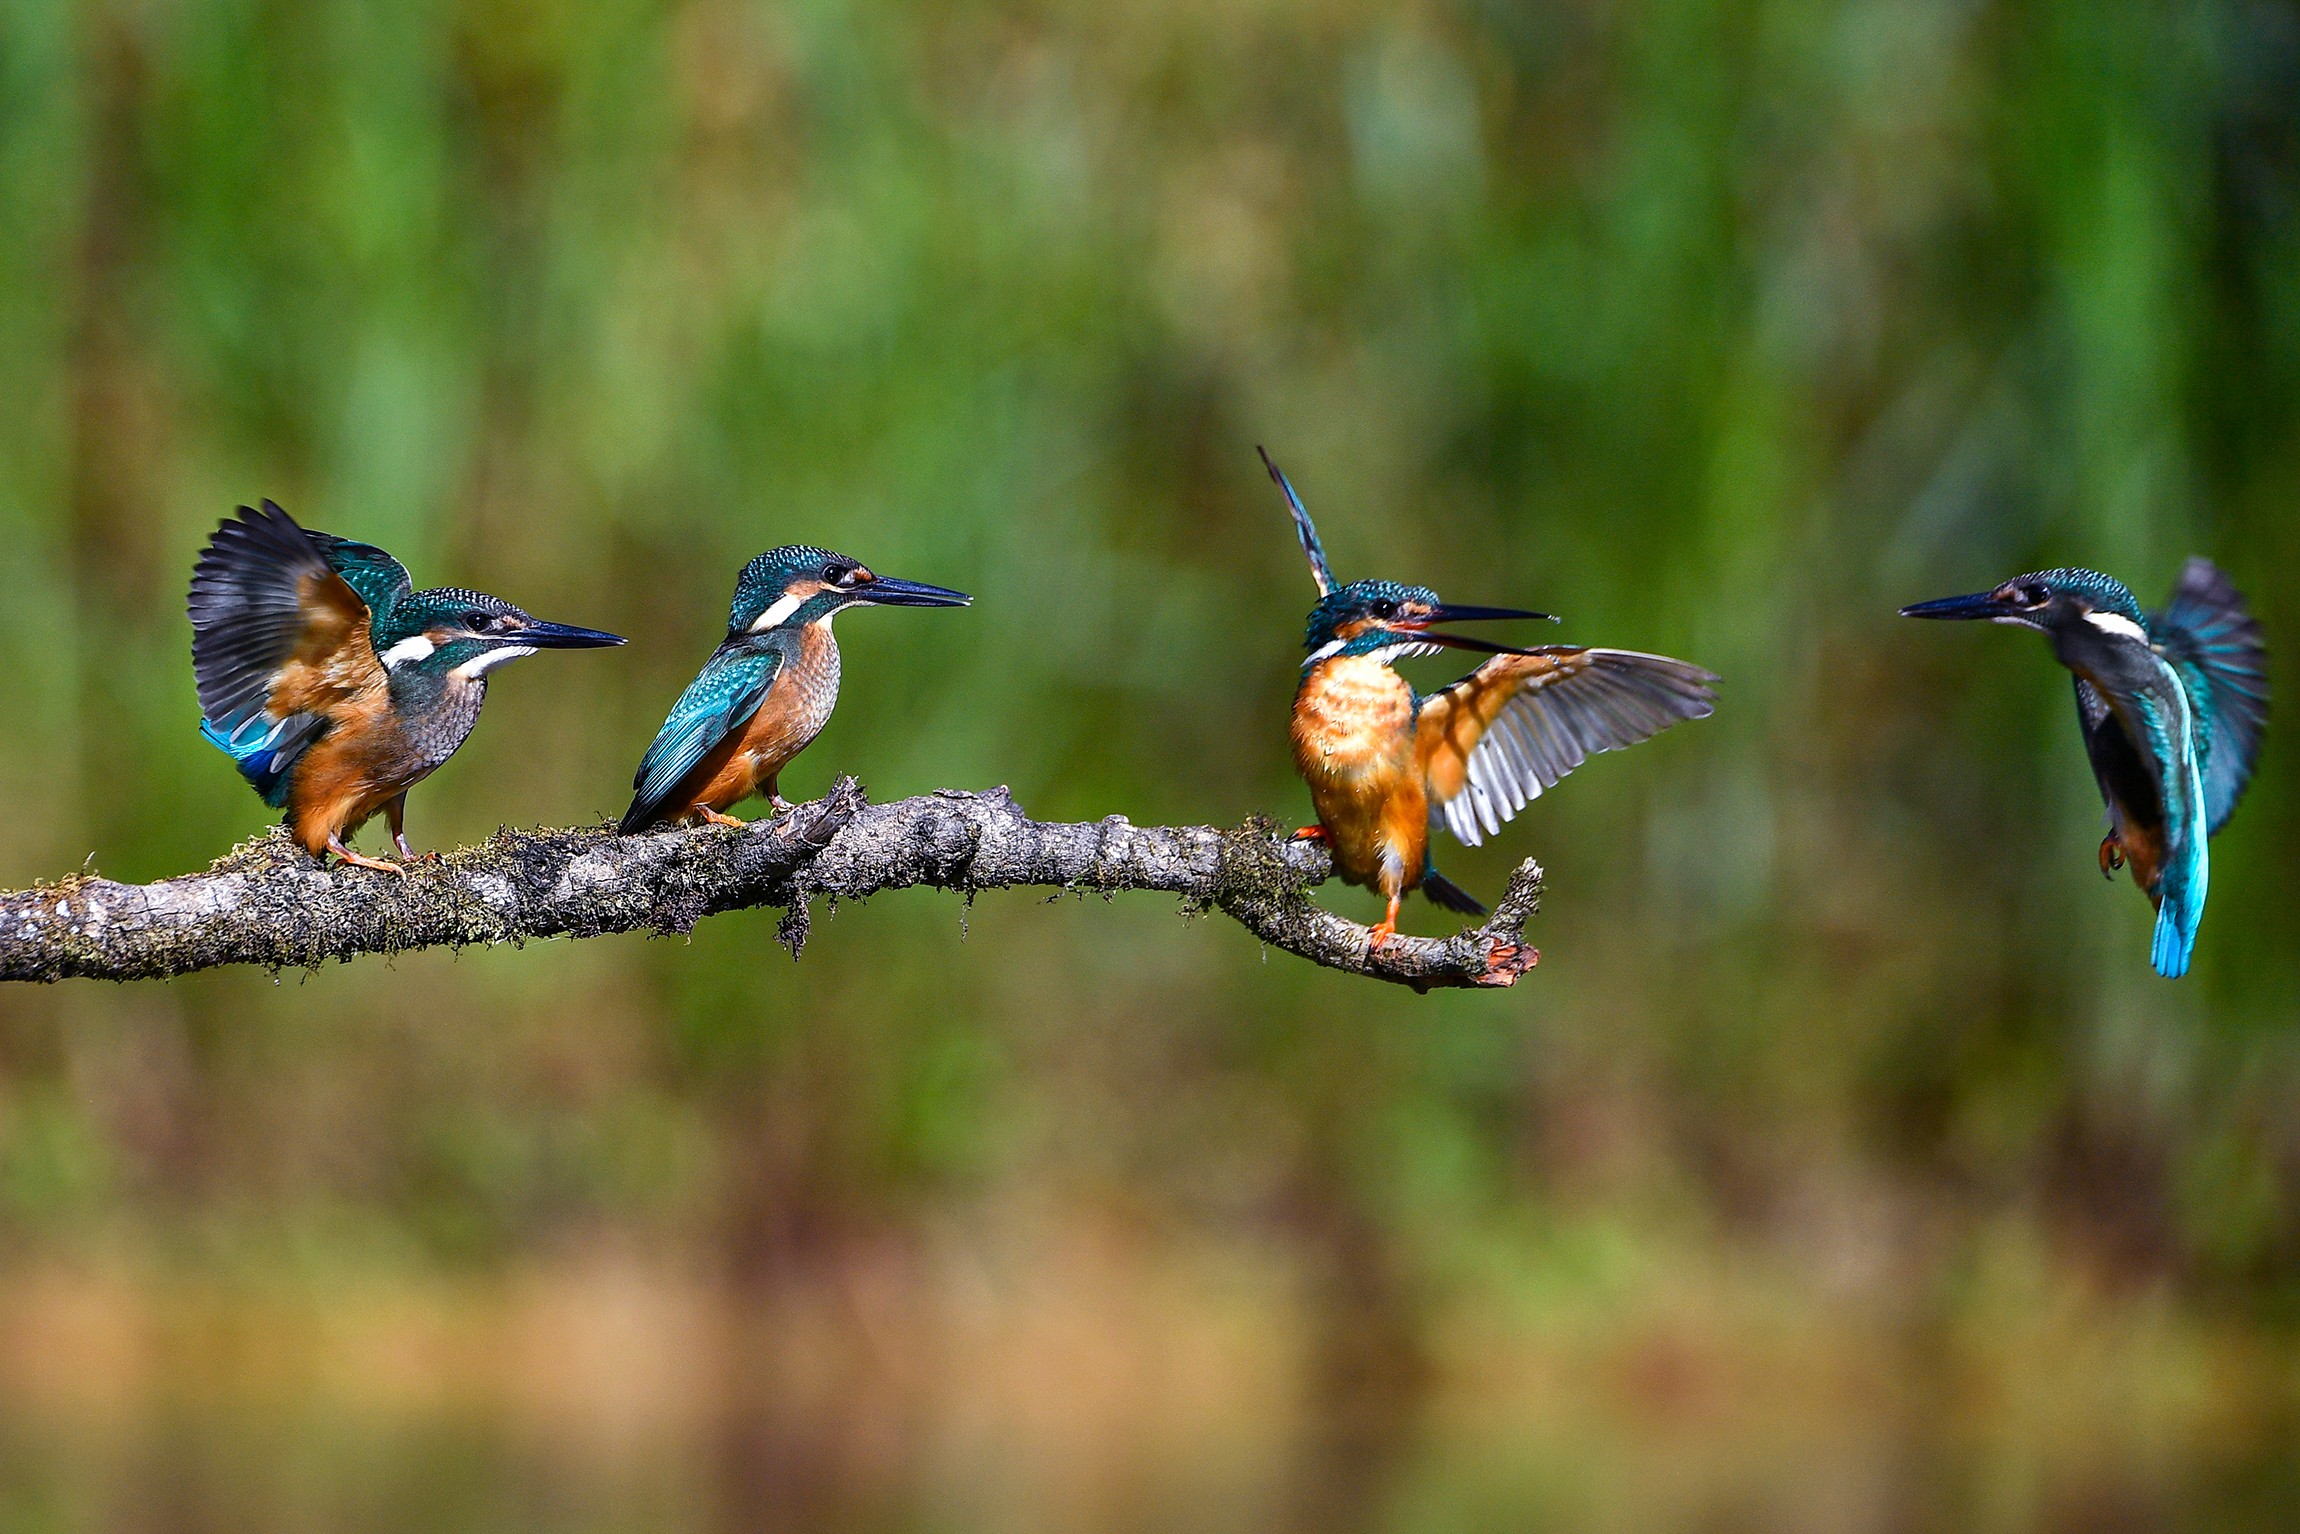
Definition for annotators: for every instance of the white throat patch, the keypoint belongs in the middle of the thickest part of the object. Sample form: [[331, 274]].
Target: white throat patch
[[415, 647], [2117, 624], [479, 665], [779, 612]]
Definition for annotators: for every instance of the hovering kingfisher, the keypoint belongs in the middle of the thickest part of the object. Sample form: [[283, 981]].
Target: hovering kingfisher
[[333, 683], [2172, 707], [1383, 762], [767, 690]]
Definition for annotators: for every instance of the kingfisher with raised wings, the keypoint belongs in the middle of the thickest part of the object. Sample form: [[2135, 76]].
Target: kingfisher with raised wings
[[334, 684], [1384, 763], [2172, 705]]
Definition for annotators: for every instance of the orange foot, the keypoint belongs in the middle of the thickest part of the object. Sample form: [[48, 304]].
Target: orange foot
[[2111, 855], [1387, 928], [1311, 834], [336, 846], [713, 817]]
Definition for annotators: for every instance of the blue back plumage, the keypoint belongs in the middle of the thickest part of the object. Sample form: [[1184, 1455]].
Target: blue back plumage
[[380, 580], [2172, 737]]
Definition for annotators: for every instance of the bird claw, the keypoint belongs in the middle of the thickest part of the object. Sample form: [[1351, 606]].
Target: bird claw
[[2111, 855], [713, 817], [1310, 834], [1380, 933], [378, 865]]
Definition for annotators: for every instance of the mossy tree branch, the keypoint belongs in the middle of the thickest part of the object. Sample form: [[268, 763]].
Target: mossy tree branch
[[270, 904]]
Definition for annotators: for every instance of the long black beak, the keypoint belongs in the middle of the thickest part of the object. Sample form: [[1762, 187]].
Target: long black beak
[[886, 591], [560, 636], [1451, 613], [1981, 604]]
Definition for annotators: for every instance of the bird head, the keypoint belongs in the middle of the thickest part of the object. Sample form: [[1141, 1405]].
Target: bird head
[[1383, 619], [798, 584], [2049, 601], [449, 631], [1389, 622]]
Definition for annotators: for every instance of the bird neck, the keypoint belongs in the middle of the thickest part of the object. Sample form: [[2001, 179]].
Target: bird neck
[[2109, 650]]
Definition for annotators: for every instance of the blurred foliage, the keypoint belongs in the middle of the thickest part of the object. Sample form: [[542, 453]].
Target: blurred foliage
[[1843, 1125]]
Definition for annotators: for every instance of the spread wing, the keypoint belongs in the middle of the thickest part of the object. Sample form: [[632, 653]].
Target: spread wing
[[730, 688], [2214, 647], [1495, 739], [280, 642]]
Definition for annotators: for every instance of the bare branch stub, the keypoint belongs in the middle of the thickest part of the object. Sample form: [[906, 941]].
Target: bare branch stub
[[269, 904]]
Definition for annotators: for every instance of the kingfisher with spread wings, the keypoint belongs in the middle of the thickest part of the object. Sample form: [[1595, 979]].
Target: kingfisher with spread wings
[[1384, 763], [768, 689], [2172, 704], [332, 682]]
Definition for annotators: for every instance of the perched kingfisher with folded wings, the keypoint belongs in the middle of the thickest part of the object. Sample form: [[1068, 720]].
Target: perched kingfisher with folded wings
[[333, 683], [1383, 762], [2172, 704], [767, 690]]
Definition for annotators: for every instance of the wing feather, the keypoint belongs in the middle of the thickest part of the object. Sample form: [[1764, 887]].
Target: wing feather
[[280, 642], [2213, 644], [721, 699], [1495, 740]]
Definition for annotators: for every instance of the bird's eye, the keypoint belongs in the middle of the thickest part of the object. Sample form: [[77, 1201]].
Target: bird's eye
[[1385, 609], [2036, 596]]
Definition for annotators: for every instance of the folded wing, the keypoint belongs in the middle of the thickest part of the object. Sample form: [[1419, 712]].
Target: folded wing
[[1491, 742], [280, 643], [722, 699]]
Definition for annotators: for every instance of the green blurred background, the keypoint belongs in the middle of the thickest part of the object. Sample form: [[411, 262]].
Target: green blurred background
[[1842, 1167]]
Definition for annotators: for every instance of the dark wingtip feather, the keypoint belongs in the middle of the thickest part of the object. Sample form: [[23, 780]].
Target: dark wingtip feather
[[245, 606], [1304, 529]]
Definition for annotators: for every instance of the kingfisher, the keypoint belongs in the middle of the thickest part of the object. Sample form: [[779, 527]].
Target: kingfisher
[[767, 690], [2172, 705], [1385, 763], [332, 682]]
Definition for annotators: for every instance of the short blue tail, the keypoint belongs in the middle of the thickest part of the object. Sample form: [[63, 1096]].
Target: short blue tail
[[2185, 881], [265, 751]]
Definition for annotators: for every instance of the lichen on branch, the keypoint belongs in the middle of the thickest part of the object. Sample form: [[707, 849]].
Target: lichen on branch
[[270, 904]]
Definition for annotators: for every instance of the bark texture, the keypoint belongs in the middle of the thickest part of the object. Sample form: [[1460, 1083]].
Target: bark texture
[[269, 904]]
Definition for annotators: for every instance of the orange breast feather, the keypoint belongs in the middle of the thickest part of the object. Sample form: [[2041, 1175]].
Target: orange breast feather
[[1354, 746], [797, 706]]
